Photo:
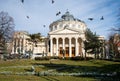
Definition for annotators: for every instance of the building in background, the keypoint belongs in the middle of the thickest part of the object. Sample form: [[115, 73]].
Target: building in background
[[41, 47], [21, 43]]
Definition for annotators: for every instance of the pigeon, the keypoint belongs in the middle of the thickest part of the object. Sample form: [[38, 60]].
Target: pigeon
[[53, 1], [22, 1], [27, 17], [102, 18], [58, 13], [44, 26], [90, 19]]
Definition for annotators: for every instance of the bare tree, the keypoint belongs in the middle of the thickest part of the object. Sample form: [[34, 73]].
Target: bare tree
[[6, 28]]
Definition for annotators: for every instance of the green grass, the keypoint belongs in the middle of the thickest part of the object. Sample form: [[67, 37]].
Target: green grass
[[100, 66], [43, 78]]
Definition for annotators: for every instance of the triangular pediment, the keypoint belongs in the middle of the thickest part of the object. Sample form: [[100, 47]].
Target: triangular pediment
[[65, 31]]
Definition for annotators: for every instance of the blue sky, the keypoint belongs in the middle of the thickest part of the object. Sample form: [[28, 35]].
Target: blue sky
[[42, 12]]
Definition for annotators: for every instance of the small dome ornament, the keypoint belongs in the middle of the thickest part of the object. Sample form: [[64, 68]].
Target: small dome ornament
[[67, 16]]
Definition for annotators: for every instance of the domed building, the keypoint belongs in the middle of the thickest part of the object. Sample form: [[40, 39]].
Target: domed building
[[66, 37]]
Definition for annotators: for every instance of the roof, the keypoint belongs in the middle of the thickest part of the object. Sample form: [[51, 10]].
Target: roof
[[68, 17]]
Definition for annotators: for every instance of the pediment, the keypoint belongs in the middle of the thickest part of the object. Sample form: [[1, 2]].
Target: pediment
[[65, 31]]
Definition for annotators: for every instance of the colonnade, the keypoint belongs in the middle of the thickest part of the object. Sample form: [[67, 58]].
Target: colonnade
[[66, 47]]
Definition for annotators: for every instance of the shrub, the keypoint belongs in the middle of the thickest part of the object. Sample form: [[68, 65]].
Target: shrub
[[42, 58], [77, 58]]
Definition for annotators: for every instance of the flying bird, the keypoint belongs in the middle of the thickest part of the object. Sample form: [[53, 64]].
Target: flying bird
[[22, 1], [102, 18], [90, 19], [53, 1], [27, 17], [44, 26], [58, 13]]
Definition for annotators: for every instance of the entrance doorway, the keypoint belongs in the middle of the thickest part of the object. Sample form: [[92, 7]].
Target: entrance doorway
[[73, 51]]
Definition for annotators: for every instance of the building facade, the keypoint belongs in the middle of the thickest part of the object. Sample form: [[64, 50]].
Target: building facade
[[66, 37], [21, 43]]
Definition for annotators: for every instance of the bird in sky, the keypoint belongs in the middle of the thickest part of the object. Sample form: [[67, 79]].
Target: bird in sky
[[27, 17], [102, 18], [58, 13], [90, 19], [53, 1], [44, 26], [22, 1]]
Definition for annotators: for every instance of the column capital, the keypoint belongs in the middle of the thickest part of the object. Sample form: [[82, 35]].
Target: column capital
[[51, 38], [70, 37], [76, 37]]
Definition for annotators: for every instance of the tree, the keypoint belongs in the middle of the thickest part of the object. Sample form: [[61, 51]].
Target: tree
[[92, 43], [36, 37], [6, 29], [113, 41]]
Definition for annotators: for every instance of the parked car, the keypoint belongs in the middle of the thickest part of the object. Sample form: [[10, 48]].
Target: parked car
[[36, 55]]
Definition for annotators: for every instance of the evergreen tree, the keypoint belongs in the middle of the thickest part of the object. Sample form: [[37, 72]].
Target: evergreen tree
[[92, 43]]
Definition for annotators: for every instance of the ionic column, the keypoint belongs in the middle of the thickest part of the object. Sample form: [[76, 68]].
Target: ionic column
[[64, 43], [24, 45], [57, 46], [16, 45], [76, 47], [51, 47], [70, 51], [19, 45], [83, 50]]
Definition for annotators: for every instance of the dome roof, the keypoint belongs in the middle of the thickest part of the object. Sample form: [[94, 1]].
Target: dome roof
[[68, 20], [68, 17]]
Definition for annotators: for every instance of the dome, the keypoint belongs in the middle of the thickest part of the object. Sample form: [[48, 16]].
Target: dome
[[68, 20]]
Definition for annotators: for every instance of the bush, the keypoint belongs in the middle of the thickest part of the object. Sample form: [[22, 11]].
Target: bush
[[54, 57], [88, 58], [42, 58], [77, 58]]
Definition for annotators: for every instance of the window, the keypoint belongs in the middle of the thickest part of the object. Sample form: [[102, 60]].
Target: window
[[60, 25], [55, 27], [78, 26], [73, 25], [51, 28]]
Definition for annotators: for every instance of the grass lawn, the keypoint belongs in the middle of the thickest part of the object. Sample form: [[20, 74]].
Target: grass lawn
[[16, 66], [43, 78]]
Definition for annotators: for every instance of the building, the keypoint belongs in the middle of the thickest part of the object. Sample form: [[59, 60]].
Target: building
[[40, 47], [66, 37], [21, 43]]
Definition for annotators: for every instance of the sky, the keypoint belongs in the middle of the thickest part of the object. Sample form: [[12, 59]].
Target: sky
[[43, 12]]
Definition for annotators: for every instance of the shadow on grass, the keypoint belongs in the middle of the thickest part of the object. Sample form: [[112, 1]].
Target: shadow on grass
[[105, 68], [48, 78], [28, 70], [74, 68]]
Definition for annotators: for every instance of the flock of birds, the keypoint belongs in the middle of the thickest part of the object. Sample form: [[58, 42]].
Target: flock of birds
[[58, 13]]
